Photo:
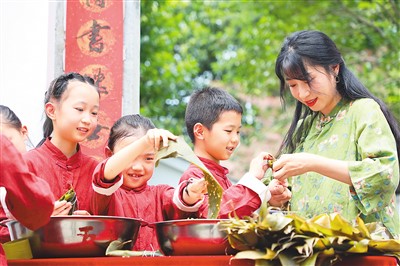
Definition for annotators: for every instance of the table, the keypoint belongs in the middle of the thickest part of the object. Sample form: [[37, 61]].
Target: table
[[147, 261], [185, 260]]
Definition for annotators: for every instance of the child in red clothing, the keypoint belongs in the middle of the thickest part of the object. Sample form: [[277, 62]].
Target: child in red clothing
[[12, 128], [120, 181], [28, 198], [213, 122], [71, 107]]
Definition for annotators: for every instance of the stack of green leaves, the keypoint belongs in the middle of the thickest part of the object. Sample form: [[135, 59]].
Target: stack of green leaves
[[278, 238]]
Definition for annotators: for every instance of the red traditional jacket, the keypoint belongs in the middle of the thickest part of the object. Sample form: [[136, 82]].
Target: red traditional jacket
[[4, 233], [48, 162], [148, 203], [241, 199], [28, 198]]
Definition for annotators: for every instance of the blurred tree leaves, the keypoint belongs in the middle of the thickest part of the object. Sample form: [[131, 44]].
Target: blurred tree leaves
[[233, 44]]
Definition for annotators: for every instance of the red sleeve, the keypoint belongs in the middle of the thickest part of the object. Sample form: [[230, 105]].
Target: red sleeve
[[196, 172], [4, 233], [29, 198], [99, 204], [98, 176], [192, 171], [166, 193], [170, 210], [238, 200]]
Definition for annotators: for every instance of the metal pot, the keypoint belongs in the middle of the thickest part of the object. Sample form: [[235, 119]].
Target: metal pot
[[77, 236], [192, 237]]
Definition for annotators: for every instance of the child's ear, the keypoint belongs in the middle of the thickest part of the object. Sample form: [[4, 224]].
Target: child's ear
[[198, 131], [50, 110], [108, 152], [24, 132]]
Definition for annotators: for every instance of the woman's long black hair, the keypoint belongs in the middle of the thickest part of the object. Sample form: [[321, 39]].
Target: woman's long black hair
[[314, 48], [55, 91]]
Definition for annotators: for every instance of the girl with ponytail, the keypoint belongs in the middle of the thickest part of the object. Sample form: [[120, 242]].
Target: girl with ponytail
[[71, 105]]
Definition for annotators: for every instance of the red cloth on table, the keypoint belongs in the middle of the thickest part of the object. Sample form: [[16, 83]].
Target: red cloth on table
[[142, 261], [148, 203], [236, 199], [359, 260], [187, 261], [29, 198], [48, 162]]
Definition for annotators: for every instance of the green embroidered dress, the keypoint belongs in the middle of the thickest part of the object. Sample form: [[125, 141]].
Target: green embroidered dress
[[358, 133]]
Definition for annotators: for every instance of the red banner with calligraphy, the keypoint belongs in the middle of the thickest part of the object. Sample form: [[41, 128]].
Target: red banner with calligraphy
[[94, 46]]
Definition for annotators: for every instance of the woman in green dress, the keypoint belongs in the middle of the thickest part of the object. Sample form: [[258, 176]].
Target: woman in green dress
[[341, 151]]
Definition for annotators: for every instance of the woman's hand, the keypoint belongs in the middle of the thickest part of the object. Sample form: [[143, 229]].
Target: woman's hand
[[61, 208], [295, 164], [289, 165], [154, 137]]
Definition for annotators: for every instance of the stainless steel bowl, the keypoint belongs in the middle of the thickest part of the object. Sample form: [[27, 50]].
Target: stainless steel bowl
[[192, 237], [77, 236]]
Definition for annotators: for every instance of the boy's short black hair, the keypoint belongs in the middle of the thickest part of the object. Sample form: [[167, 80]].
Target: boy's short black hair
[[206, 105]]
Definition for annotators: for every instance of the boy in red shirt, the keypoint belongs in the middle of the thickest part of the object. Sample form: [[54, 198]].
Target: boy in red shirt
[[213, 121]]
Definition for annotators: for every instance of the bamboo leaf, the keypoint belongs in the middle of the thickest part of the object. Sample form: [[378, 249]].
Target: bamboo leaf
[[250, 254], [359, 247], [270, 255], [339, 224], [287, 260], [377, 231], [310, 261], [391, 245], [322, 244], [364, 233], [238, 242], [264, 263]]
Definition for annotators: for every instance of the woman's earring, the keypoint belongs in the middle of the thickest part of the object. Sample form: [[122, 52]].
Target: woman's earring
[[337, 79]]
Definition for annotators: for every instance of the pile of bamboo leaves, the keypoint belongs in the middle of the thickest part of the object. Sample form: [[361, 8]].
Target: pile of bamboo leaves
[[275, 238]]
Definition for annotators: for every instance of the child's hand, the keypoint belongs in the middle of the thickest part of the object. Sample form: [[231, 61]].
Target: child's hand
[[280, 194], [260, 164], [194, 191], [155, 135], [61, 208], [81, 212]]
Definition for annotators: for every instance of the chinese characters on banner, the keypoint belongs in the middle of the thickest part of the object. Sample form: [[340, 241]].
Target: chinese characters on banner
[[94, 46]]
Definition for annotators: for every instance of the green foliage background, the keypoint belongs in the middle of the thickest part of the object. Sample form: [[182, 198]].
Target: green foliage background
[[233, 44]]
